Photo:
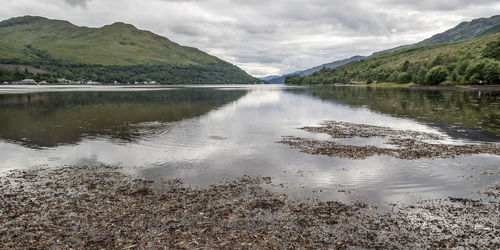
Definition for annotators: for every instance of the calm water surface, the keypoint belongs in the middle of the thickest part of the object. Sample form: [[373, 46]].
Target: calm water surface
[[203, 134]]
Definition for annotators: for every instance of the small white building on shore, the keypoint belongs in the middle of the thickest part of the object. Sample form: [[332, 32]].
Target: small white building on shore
[[28, 81]]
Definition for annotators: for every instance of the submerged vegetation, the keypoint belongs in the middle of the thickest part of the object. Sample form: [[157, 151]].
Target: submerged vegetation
[[101, 207], [475, 61], [408, 144]]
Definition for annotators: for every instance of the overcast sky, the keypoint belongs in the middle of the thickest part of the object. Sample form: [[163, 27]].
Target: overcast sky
[[267, 37]]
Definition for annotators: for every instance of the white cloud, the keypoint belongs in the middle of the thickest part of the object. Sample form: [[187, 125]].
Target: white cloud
[[270, 37]]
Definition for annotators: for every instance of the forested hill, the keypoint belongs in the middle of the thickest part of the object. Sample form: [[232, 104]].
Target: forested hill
[[474, 61], [463, 31], [117, 52], [281, 79]]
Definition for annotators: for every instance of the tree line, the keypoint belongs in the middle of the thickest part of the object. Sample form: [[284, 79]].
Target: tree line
[[217, 73]]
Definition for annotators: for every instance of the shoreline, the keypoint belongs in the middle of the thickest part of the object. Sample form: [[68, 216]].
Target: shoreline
[[457, 88], [102, 207], [486, 88]]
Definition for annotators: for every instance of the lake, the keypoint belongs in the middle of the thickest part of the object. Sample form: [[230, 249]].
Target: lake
[[203, 134]]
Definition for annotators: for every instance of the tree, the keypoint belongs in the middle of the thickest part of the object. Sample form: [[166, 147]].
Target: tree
[[420, 77], [492, 50], [436, 75], [405, 66], [454, 77], [394, 77], [443, 59], [474, 71], [491, 72], [404, 78]]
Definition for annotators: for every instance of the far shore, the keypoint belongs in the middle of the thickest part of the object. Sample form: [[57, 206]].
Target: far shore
[[417, 87], [458, 87]]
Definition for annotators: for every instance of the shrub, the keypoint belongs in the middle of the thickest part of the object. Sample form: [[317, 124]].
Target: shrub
[[462, 67], [444, 59], [436, 75], [491, 72], [475, 78], [405, 66], [475, 68], [404, 78], [454, 77], [420, 77], [394, 77], [492, 50]]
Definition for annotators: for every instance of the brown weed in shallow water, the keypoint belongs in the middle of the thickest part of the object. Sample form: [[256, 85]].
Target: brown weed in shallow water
[[409, 144], [101, 207]]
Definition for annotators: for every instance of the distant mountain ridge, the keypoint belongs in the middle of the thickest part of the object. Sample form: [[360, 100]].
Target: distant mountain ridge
[[99, 53], [492, 30], [463, 31], [281, 79], [267, 78]]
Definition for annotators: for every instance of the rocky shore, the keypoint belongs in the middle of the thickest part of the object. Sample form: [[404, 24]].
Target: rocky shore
[[102, 207]]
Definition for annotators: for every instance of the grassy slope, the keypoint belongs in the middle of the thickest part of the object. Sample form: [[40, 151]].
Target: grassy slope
[[11, 50], [392, 61], [116, 44], [470, 48], [114, 52]]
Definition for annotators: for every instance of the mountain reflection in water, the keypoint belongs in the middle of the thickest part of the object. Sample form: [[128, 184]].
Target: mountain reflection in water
[[58, 118], [204, 134]]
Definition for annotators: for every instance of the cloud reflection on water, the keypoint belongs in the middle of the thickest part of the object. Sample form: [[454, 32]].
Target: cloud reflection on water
[[239, 138]]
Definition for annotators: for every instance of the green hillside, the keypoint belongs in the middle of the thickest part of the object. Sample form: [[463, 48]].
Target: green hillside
[[105, 53], [463, 31], [474, 61]]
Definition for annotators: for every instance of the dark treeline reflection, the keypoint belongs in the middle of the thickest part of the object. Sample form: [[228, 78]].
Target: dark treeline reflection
[[473, 115], [51, 119]]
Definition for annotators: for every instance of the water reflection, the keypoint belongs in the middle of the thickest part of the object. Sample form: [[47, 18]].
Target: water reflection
[[462, 114], [205, 134], [57, 118]]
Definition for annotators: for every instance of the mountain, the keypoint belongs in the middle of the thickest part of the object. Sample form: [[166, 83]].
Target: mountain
[[473, 61], [267, 78], [281, 79], [331, 65], [463, 31], [492, 30], [70, 51]]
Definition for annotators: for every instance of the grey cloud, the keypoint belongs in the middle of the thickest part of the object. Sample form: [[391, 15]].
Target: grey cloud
[[436, 5], [81, 3], [279, 35]]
